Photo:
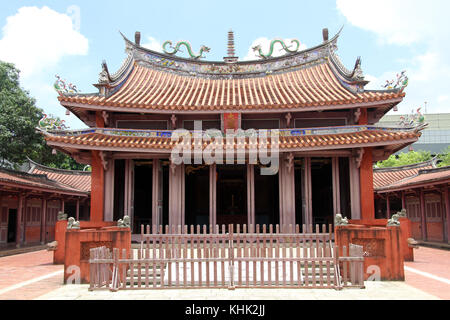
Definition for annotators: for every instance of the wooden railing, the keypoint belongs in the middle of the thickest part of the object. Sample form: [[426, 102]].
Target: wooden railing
[[233, 259]]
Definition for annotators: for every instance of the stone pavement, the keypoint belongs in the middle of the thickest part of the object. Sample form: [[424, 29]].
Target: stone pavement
[[33, 276], [29, 275], [374, 291]]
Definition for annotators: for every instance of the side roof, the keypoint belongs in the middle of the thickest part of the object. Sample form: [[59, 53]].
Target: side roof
[[80, 180], [385, 177]]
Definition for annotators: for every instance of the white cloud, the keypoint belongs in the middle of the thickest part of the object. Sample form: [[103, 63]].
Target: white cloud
[[37, 38], [423, 29], [265, 47], [400, 21], [153, 44]]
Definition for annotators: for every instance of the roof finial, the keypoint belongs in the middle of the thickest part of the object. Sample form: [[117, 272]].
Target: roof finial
[[231, 57], [325, 34]]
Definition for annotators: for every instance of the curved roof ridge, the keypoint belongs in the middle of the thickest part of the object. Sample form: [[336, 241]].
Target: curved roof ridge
[[37, 177], [431, 162], [130, 45], [58, 170]]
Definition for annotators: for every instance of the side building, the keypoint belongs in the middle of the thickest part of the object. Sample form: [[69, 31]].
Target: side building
[[421, 189], [30, 202]]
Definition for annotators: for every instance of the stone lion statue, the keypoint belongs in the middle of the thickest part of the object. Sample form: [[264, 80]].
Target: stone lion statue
[[62, 216], [339, 220], [125, 223], [394, 221], [52, 246], [72, 224], [402, 213]]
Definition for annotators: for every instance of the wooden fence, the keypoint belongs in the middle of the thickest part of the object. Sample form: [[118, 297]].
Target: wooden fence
[[240, 259]]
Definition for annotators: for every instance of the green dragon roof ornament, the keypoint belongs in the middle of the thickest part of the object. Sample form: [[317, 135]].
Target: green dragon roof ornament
[[188, 47], [272, 44]]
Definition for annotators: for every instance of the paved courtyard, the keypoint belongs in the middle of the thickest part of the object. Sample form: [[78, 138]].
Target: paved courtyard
[[33, 276]]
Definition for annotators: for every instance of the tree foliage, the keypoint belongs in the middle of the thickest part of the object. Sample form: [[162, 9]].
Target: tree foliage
[[402, 159], [445, 158], [19, 118]]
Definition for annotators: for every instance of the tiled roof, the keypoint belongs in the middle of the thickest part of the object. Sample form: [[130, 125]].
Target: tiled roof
[[289, 139], [383, 177], [80, 180], [35, 181], [149, 89], [422, 177]]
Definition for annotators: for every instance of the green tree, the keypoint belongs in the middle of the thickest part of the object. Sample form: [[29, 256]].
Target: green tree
[[402, 159], [19, 118], [445, 158]]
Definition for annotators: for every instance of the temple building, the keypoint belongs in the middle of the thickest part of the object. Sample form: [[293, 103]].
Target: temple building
[[320, 122], [31, 199]]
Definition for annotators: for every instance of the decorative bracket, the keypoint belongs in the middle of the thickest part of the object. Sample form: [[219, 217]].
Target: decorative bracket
[[288, 119], [290, 162], [173, 118], [359, 156], [173, 166], [357, 114], [104, 158], [105, 116]]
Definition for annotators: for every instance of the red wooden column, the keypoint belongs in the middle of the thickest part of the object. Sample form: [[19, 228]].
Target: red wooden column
[[366, 185], [366, 176], [423, 216], [18, 221], [447, 212], [97, 185]]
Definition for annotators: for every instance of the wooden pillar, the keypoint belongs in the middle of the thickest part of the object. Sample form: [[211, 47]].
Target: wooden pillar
[[336, 186], [447, 213], [355, 197], [176, 195], [156, 192], [307, 191], [366, 185], [403, 200], [251, 220], [99, 121], [109, 192], [97, 187], [25, 215], [129, 190], [78, 210], [212, 196], [423, 216], [44, 221], [286, 178], [388, 207], [18, 220]]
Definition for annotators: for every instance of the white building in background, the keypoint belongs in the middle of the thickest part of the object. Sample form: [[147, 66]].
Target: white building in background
[[435, 138]]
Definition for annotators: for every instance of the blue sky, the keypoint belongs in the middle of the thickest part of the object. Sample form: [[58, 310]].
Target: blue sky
[[71, 38]]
